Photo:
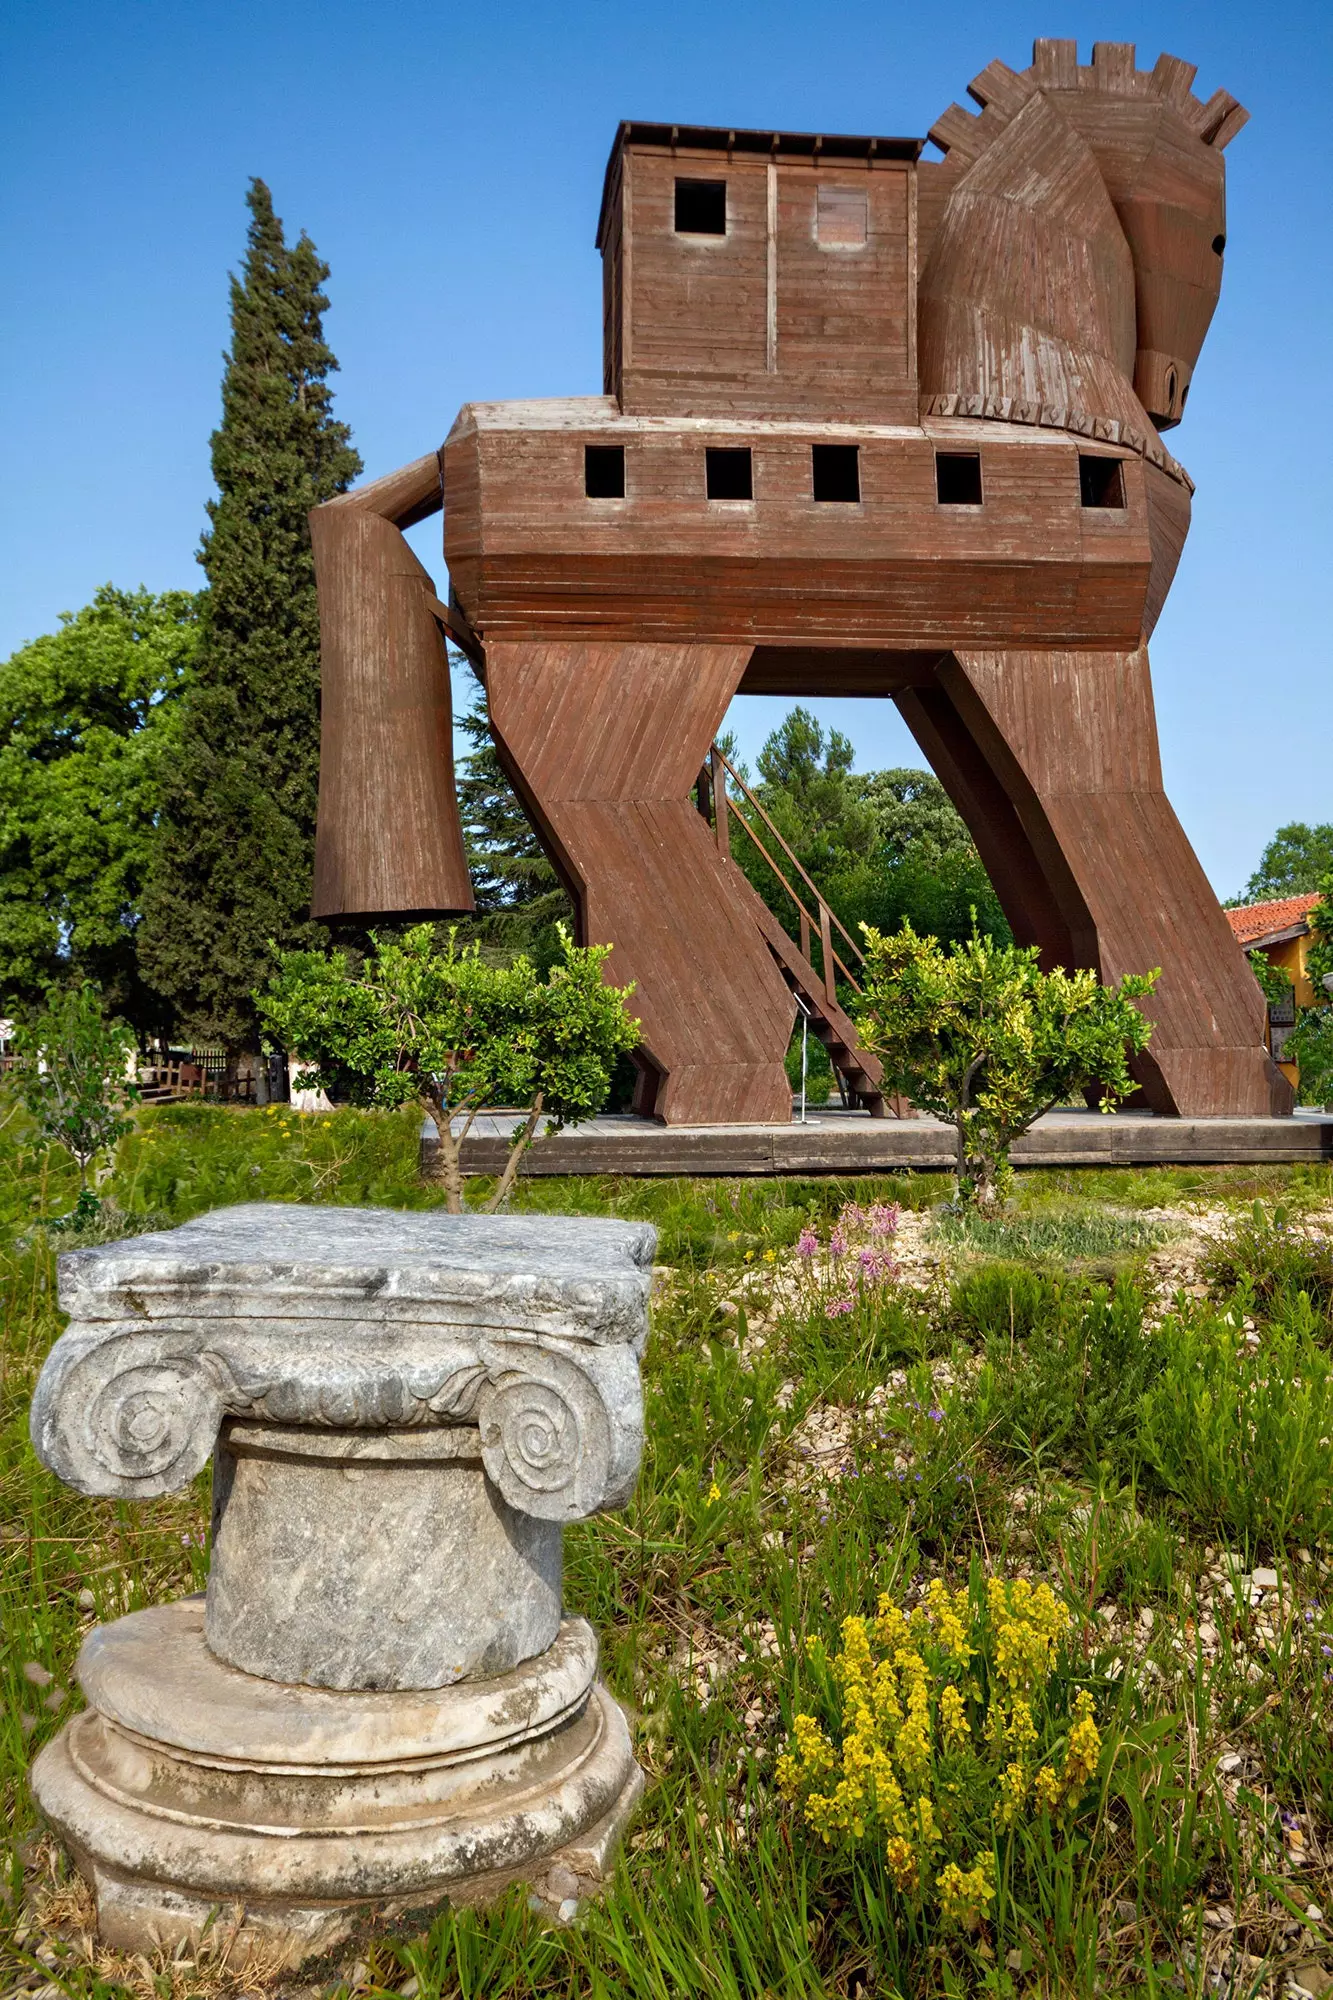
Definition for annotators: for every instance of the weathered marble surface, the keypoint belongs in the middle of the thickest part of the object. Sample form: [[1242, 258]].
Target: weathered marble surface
[[373, 1559], [534, 1334], [195, 1796], [380, 1706]]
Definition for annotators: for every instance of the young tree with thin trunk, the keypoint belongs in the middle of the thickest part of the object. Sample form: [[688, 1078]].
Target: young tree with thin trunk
[[980, 1036], [233, 861], [457, 1034]]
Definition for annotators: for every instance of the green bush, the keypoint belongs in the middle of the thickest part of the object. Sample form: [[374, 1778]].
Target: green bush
[[1241, 1434], [1071, 1392], [1270, 1261]]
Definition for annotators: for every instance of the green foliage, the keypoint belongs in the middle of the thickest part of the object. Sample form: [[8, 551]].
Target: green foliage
[[1295, 861], [914, 815], [1266, 1260], [884, 848], [741, 1540], [1238, 1432], [232, 867], [457, 1032], [73, 1075], [88, 723], [1069, 1394], [1319, 964], [979, 1035], [1311, 1045], [1274, 982]]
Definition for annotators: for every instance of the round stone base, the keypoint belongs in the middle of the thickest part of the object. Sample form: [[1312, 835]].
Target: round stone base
[[196, 1796]]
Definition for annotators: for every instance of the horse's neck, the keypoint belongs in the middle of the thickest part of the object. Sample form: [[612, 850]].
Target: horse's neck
[[1027, 285]]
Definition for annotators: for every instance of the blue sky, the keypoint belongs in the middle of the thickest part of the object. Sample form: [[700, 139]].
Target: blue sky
[[448, 164]]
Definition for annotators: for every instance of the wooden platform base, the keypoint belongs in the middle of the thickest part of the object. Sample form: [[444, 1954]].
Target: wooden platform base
[[849, 1142]]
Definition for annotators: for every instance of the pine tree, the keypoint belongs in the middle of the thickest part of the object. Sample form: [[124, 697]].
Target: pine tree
[[232, 870]]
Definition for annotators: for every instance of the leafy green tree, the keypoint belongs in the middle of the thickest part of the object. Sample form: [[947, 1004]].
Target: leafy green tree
[[456, 1033], [74, 1076], [520, 900], [1319, 963], [914, 816], [1294, 863], [884, 848], [232, 868], [979, 1035], [1311, 1047], [88, 726]]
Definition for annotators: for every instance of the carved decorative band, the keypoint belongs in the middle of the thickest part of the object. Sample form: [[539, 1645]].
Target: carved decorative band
[[134, 1413], [1058, 417]]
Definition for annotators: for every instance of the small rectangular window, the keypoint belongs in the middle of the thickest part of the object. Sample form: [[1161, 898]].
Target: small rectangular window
[[958, 478], [701, 208], [842, 218], [836, 470], [604, 471], [1101, 483], [728, 472]]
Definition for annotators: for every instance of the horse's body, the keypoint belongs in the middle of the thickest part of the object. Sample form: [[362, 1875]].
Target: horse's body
[[1000, 336]]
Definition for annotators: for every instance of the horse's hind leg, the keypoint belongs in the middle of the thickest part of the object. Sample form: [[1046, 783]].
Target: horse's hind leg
[[1067, 742], [603, 743]]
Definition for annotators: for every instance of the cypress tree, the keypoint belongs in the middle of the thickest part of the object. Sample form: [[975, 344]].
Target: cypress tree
[[231, 873]]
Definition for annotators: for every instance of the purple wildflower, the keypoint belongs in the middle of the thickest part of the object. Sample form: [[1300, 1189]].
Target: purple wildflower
[[807, 1243], [837, 1243], [836, 1307], [884, 1220]]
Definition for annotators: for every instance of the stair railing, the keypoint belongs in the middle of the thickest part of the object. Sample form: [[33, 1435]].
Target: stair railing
[[821, 919]]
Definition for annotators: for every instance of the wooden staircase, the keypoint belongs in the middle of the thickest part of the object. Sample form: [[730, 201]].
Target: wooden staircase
[[859, 1073]]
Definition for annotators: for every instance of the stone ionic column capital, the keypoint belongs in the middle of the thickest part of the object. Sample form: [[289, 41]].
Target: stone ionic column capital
[[408, 1321], [131, 1412]]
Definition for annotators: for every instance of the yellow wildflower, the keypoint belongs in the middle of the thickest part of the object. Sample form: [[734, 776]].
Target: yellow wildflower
[[953, 1717], [902, 1862], [1085, 1745], [966, 1894], [1046, 1789], [714, 1493], [1013, 1793]]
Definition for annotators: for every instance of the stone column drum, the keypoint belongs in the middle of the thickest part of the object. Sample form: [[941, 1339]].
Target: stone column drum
[[378, 1705]]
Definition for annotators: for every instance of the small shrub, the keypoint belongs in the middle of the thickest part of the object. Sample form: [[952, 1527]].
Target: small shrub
[[1271, 1260], [1072, 1237], [1005, 1301], [1072, 1392], [1243, 1435], [939, 1733]]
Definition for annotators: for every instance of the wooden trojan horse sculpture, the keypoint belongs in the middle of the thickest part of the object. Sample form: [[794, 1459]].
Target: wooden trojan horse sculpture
[[872, 425]]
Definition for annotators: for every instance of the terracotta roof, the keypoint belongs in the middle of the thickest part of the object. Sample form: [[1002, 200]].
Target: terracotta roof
[[1266, 923]]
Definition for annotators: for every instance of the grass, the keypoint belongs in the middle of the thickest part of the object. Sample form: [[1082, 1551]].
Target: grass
[[1038, 1409]]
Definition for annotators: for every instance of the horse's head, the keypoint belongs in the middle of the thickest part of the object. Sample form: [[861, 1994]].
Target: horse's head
[[1081, 219], [1160, 154]]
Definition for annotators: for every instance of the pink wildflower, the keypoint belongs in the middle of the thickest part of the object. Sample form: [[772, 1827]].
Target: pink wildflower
[[807, 1243], [836, 1307], [837, 1243], [884, 1220], [853, 1216]]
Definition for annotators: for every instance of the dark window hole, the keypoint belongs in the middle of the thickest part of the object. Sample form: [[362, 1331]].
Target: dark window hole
[[958, 478], [604, 471], [836, 470], [1219, 245], [1101, 483], [729, 472], [701, 208]]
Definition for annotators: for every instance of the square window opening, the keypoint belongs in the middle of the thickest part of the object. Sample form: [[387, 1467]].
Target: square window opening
[[842, 218], [729, 472], [1101, 483], [836, 470], [958, 478], [701, 208], [604, 471]]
